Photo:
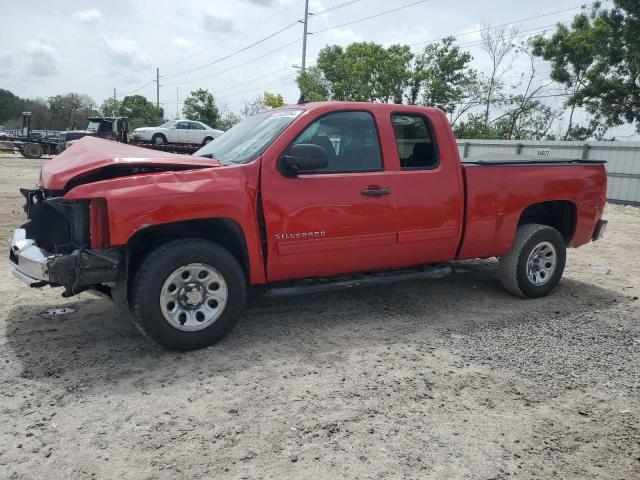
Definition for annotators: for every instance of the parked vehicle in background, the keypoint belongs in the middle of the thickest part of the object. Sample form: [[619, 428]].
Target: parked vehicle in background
[[30, 143], [313, 191], [109, 128], [177, 131]]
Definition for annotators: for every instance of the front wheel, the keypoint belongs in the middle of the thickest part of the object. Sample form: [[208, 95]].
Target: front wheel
[[159, 139], [188, 294], [535, 263]]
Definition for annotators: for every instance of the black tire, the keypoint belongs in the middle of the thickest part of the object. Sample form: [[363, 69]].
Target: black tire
[[159, 139], [32, 150], [155, 270], [206, 140], [513, 267]]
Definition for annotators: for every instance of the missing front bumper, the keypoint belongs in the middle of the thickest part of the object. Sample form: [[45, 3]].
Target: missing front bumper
[[75, 271]]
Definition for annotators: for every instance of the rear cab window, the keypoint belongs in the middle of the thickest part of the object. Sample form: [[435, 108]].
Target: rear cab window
[[415, 140], [350, 140]]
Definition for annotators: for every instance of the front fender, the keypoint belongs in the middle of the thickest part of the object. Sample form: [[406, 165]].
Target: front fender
[[140, 201]]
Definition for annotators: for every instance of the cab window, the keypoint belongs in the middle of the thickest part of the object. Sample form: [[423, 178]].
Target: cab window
[[350, 140], [414, 138]]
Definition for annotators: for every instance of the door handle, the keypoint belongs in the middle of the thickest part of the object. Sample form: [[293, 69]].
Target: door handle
[[375, 192]]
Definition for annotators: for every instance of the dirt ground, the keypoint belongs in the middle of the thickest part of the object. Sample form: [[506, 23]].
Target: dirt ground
[[443, 379]]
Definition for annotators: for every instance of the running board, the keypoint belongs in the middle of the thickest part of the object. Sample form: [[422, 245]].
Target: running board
[[306, 287]]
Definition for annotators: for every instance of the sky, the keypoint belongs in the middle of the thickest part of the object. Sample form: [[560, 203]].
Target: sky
[[236, 49]]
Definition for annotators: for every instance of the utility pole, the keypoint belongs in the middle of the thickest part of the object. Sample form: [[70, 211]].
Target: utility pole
[[115, 99], [157, 87], [304, 38], [304, 44], [177, 116]]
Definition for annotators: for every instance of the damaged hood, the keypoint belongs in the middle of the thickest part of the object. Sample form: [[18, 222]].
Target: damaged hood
[[91, 155]]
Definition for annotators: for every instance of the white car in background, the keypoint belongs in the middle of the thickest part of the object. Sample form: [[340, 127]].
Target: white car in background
[[177, 131]]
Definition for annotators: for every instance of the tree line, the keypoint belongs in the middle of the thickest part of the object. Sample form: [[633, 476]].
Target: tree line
[[71, 110], [594, 67], [593, 63]]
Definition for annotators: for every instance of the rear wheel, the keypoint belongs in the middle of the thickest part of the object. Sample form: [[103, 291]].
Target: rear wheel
[[32, 150], [188, 294], [535, 263], [206, 140], [159, 139]]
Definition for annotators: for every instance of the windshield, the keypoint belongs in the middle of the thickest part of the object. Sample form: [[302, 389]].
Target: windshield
[[93, 126], [247, 140], [168, 124]]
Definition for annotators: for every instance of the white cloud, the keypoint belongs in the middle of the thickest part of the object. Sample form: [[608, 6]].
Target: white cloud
[[263, 3], [182, 44], [125, 52], [217, 23], [91, 15], [42, 59], [343, 36], [6, 63]]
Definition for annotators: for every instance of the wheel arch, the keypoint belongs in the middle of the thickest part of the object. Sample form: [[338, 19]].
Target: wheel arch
[[225, 232], [559, 214]]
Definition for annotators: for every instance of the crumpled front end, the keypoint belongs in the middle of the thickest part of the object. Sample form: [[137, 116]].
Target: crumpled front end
[[55, 246]]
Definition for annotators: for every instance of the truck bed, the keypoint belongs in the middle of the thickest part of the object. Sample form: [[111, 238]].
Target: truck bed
[[500, 188]]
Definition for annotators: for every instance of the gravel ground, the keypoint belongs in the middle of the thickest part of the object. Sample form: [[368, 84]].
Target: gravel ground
[[451, 378]]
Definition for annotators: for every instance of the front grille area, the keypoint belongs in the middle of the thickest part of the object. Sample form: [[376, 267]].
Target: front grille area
[[57, 225]]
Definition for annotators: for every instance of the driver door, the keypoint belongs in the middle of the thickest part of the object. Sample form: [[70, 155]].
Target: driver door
[[336, 220]]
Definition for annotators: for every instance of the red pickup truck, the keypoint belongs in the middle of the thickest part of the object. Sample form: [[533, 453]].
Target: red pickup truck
[[312, 191]]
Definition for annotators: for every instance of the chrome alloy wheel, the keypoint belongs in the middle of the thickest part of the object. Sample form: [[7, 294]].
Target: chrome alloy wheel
[[541, 263], [193, 297]]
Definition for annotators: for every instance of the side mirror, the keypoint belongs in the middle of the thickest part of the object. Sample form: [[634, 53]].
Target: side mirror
[[303, 157]]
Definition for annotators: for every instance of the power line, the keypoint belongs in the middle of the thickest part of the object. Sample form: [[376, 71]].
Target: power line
[[369, 17], [243, 49], [252, 80], [251, 27], [255, 59], [138, 89], [524, 33], [335, 7], [522, 20], [252, 89], [262, 40]]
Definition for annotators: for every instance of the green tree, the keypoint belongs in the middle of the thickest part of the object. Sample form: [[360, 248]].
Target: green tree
[[227, 118], [140, 112], [70, 111], [498, 44], [473, 126], [110, 107], [273, 100], [612, 90], [313, 86], [252, 107], [572, 52], [201, 106], [366, 72], [11, 106], [441, 77], [40, 114]]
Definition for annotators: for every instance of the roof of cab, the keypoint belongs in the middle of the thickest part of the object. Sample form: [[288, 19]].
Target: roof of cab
[[386, 107]]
